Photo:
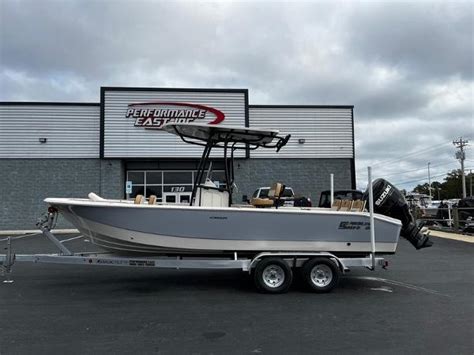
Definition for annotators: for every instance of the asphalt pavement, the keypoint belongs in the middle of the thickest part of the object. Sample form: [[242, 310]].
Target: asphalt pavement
[[423, 304]]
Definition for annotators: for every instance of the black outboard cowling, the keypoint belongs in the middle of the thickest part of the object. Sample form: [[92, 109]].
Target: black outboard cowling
[[389, 201]]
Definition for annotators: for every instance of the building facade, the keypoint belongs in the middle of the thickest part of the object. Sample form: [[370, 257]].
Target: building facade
[[71, 149]]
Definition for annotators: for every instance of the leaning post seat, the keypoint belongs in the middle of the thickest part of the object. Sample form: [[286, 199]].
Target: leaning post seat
[[276, 191], [261, 202], [274, 195]]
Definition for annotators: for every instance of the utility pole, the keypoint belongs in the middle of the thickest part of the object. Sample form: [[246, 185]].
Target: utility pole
[[461, 155], [429, 180]]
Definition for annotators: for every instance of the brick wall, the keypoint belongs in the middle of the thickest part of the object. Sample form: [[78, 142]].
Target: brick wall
[[25, 183], [307, 177]]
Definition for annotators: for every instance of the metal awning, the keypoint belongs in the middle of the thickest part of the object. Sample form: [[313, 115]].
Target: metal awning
[[221, 136]]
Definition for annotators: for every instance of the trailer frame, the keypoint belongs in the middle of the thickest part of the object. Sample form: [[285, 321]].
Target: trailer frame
[[246, 264]]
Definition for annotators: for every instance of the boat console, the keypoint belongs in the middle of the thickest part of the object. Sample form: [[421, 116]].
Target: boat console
[[209, 195]]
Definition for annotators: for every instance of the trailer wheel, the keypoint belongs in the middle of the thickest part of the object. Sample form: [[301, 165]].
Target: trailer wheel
[[273, 275], [321, 274]]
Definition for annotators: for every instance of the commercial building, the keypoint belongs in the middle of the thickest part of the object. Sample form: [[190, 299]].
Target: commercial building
[[52, 149]]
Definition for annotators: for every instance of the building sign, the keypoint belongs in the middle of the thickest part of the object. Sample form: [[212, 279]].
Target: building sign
[[153, 115], [132, 119]]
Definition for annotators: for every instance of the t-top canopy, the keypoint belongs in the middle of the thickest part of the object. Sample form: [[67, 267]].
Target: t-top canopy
[[222, 136]]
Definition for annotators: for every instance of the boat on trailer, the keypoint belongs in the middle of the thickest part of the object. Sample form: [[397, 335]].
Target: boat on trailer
[[213, 233], [211, 223]]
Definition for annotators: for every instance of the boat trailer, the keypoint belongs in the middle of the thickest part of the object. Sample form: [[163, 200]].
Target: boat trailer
[[272, 270]]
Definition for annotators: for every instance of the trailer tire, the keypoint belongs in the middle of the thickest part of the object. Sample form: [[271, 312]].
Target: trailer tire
[[273, 275], [320, 274]]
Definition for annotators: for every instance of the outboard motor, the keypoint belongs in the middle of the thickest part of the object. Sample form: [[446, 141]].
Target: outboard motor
[[389, 201]]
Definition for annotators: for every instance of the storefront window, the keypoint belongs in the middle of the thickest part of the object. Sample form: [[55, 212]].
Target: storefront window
[[178, 177], [154, 177], [167, 186], [136, 177], [154, 190], [137, 190]]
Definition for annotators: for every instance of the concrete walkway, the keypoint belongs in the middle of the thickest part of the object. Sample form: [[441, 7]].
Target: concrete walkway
[[453, 236]]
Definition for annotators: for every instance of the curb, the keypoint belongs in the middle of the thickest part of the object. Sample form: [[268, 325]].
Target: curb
[[452, 236], [37, 231]]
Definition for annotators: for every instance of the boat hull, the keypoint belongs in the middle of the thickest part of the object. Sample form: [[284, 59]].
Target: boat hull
[[164, 229]]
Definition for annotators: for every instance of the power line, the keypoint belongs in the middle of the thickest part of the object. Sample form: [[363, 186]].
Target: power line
[[428, 149], [422, 179], [419, 169], [411, 181], [425, 150]]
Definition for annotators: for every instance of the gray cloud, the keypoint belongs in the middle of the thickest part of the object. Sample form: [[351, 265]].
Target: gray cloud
[[431, 38], [407, 68]]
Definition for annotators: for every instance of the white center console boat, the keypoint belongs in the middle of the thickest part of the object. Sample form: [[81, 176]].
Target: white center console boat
[[213, 233], [212, 224]]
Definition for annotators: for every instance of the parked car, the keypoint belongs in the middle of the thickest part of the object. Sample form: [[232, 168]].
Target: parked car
[[288, 197], [325, 198]]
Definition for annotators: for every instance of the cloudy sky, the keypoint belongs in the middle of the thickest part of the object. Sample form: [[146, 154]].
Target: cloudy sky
[[406, 67]]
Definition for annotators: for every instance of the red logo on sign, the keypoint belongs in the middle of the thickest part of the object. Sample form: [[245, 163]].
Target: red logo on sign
[[153, 115]]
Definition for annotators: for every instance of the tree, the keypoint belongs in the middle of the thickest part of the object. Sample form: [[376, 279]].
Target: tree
[[451, 187], [422, 188]]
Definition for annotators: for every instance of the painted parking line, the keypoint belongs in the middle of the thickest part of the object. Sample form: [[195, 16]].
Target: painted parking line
[[402, 284]]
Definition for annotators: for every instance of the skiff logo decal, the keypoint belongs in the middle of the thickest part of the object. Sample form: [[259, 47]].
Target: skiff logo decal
[[153, 115], [384, 194], [354, 225]]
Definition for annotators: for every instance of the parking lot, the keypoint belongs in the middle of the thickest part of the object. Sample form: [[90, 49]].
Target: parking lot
[[423, 303]]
